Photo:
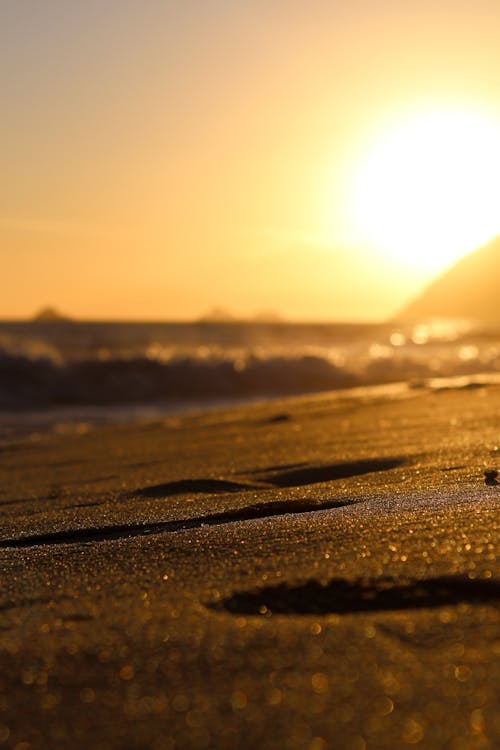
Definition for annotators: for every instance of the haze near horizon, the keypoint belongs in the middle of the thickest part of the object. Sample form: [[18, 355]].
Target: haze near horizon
[[324, 161]]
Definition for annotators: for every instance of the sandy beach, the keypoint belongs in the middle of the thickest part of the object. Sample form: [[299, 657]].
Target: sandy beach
[[317, 573], [250, 375]]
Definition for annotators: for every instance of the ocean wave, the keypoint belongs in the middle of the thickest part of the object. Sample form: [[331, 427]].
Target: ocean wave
[[28, 382], [37, 382]]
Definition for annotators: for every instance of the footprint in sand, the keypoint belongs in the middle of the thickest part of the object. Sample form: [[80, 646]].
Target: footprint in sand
[[340, 596]]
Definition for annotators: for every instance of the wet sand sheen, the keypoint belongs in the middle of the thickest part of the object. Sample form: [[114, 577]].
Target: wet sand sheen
[[329, 580]]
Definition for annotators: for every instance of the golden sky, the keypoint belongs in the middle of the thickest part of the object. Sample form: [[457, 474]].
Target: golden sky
[[163, 157]]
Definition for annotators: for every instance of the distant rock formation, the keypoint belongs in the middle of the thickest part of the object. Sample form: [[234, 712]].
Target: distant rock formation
[[217, 315], [470, 289], [50, 315]]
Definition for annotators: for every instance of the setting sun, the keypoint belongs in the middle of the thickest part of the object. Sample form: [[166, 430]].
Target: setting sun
[[428, 191]]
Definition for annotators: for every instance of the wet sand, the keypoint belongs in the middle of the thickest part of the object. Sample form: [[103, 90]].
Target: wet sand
[[317, 573]]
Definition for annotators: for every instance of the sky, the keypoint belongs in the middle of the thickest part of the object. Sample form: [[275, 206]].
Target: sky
[[160, 158]]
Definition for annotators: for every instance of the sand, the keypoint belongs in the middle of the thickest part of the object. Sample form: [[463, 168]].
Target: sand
[[317, 573]]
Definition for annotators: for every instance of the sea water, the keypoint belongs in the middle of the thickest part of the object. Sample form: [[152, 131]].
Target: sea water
[[115, 370]]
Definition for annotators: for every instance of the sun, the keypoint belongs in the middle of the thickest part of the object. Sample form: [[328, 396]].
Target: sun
[[428, 190]]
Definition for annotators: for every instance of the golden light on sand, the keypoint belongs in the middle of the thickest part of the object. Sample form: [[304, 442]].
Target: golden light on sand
[[429, 189]]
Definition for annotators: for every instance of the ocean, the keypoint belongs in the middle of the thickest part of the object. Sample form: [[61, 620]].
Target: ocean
[[98, 371]]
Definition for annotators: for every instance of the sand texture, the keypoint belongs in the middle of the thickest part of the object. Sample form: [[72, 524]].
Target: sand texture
[[317, 573]]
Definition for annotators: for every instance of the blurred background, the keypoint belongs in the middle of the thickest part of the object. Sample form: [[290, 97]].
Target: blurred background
[[223, 200]]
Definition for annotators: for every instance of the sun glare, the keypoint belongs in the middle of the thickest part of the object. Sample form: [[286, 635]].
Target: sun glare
[[429, 189]]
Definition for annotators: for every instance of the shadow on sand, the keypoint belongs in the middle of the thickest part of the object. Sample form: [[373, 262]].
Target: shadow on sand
[[125, 531], [342, 597], [289, 475]]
